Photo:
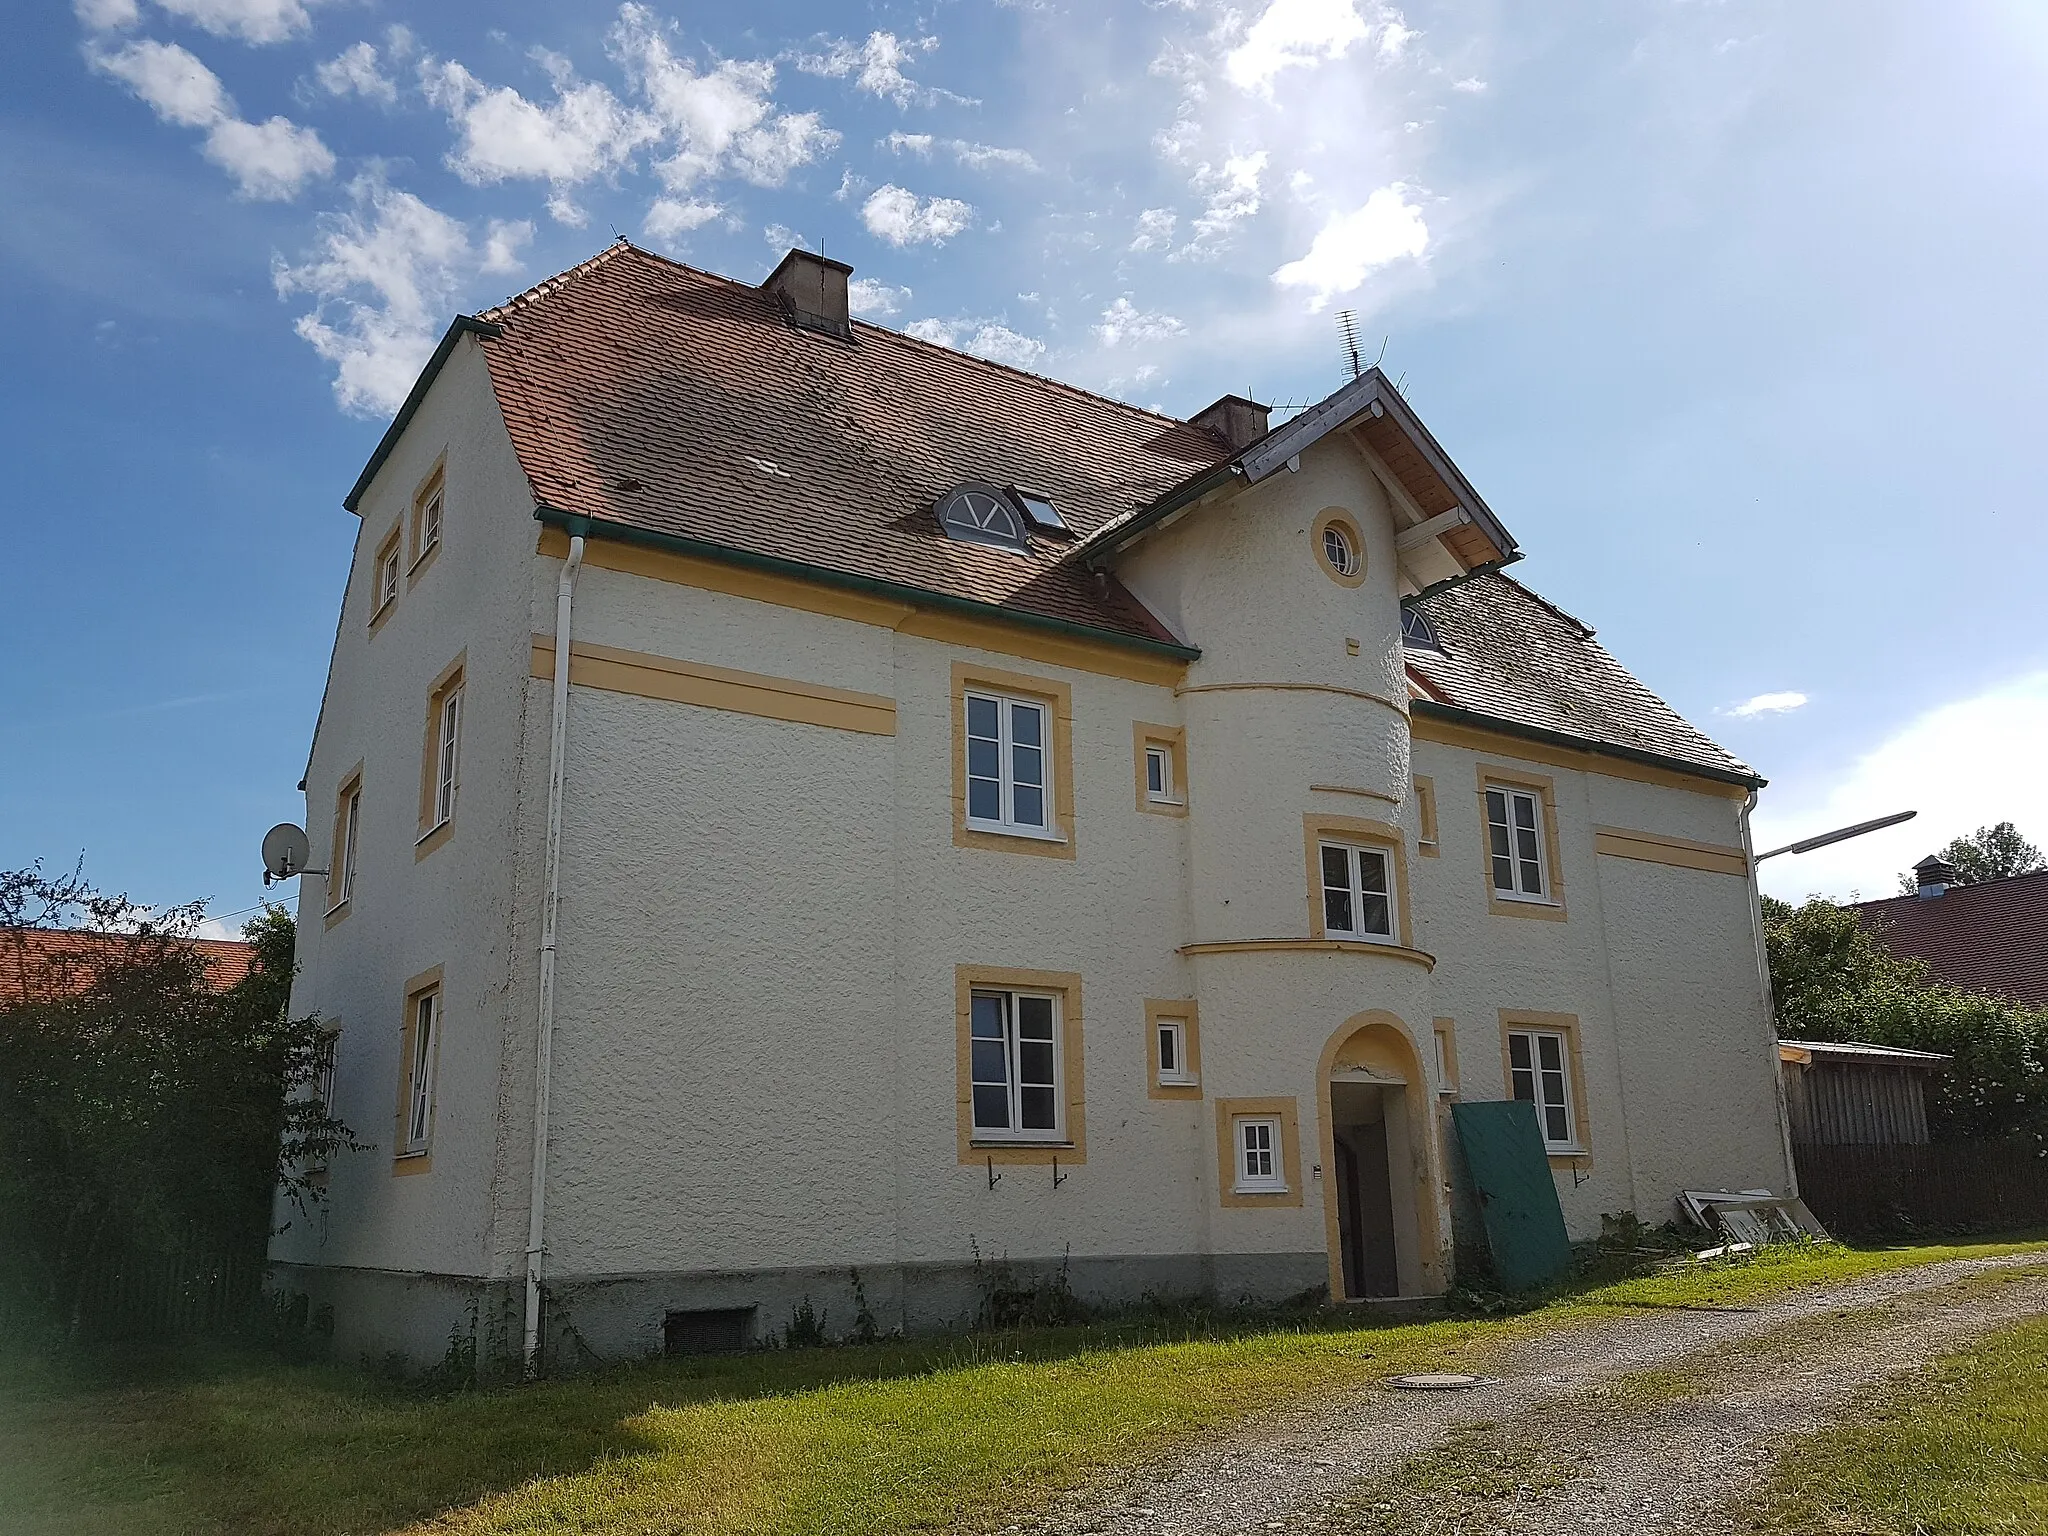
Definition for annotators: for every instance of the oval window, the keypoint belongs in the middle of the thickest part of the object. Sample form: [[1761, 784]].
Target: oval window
[[1339, 549]]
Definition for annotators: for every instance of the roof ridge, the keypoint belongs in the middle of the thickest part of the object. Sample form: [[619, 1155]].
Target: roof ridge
[[1586, 631], [1978, 885], [548, 286]]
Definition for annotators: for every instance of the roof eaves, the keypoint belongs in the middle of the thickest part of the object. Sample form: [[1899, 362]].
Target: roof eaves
[[1481, 721], [1105, 541], [463, 325], [824, 575]]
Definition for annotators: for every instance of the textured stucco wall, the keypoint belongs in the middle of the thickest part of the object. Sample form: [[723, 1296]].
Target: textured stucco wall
[[454, 908]]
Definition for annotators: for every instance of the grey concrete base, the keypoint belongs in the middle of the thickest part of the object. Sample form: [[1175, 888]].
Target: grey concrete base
[[591, 1319]]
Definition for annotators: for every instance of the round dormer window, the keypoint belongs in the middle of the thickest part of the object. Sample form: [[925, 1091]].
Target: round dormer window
[[1339, 549], [981, 514]]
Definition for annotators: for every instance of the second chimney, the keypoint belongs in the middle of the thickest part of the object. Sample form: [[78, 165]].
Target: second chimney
[[1238, 421], [1932, 876], [812, 292]]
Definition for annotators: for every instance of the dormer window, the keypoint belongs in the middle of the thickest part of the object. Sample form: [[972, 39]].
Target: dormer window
[[980, 514], [1417, 632], [1038, 507]]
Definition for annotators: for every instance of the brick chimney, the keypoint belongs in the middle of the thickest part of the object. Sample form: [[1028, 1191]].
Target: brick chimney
[[1932, 876], [1238, 421], [812, 292]]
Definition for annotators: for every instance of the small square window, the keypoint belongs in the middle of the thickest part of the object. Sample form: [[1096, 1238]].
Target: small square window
[[1039, 508], [1161, 782], [1261, 1170]]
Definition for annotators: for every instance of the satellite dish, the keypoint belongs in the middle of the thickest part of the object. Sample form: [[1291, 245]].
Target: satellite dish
[[285, 851]]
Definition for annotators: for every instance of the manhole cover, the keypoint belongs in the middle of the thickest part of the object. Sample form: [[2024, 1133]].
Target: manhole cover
[[1438, 1381]]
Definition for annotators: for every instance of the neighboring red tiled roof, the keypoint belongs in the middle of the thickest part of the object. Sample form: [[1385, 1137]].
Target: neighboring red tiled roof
[[1983, 938], [38, 963], [632, 367], [1513, 656]]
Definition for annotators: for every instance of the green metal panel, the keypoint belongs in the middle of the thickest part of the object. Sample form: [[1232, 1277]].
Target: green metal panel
[[1517, 1197]]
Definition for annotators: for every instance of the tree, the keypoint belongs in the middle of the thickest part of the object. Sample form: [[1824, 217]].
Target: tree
[[142, 1107], [1832, 979], [1989, 853]]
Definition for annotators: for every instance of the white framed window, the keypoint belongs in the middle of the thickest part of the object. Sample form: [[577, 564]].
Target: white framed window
[[1358, 896], [387, 577], [1175, 1069], [419, 1098], [1009, 765], [446, 753], [430, 520], [1261, 1170], [351, 823], [1514, 830], [1338, 551], [1015, 1066], [1160, 780], [1539, 1069], [323, 1070], [1446, 1065]]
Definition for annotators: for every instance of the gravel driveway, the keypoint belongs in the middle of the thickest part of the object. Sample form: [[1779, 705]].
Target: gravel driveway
[[1654, 1421]]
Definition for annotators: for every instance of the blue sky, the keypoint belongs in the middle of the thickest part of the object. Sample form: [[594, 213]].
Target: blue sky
[[1732, 310]]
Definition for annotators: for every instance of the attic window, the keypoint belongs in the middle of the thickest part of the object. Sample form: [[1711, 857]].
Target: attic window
[[1038, 507], [1416, 631], [976, 513]]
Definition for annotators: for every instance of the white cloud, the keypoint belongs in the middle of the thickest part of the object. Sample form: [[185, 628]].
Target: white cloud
[[671, 217], [873, 300], [1961, 766], [1395, 36], [1352, 246], [720, 121], [253, 21], [503, 242], [106, 15], [1154, 230], [901, 217], [1000, 344], [1767, 704], [174, 84], [876, 66], [1293, 33], [1233, 192], [355, 71], [1471, 85], [919, 144], [384, 277], [1123, 321], [976, 157], [585, 132], [269, 161]]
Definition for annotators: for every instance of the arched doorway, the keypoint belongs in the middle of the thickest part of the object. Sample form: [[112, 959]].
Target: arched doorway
[[1379, 1147]]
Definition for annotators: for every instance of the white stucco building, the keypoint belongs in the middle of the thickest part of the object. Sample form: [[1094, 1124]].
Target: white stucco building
[[970, 817]]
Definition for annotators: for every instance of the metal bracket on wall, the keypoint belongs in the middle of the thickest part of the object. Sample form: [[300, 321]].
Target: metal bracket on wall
[[994, 1178], [1058, 1178], [1579, 1177]]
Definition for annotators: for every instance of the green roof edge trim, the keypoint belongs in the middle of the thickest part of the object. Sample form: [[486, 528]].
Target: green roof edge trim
[[904, 592], [463, 325], [1189, 491], [1452, 714]]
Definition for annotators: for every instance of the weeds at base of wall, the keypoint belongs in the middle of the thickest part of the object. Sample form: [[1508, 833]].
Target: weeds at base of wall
[[865, 1329], [1009, 1301], [806, 1328]]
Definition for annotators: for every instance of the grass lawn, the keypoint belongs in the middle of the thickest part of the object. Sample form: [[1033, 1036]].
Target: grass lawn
[[888, 1437], [1961, 1448]]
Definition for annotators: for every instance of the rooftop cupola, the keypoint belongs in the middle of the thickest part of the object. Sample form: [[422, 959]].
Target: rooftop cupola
[[1238, 421], [1932, 876], [811, 290]]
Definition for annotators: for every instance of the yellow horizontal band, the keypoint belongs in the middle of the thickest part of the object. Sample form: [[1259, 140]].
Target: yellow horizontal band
[[746, 693]]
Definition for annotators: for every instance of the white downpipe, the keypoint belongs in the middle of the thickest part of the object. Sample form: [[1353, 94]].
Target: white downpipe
[[1763, 973], [544, 1035]]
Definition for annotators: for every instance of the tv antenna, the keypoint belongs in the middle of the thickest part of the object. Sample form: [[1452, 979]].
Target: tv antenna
[[285, 851]]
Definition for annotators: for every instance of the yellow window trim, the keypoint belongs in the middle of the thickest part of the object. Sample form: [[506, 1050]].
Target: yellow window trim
[[648, 676], [1174, 739], [1659, 848], [351, 782], [1566, 1024], [1506, 744], [1504, 776], [992, 634], [435, 483], [1286, 1112], [432, 834], [1066, 985], [1058, 697], [1446, 1030], [1426, 842], [1337, 517], [1315, 828], [1185, 1011], [408, 1163], [381, 607]]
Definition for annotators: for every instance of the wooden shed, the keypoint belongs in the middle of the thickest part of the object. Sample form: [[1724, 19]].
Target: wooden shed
[[1846, 1093]]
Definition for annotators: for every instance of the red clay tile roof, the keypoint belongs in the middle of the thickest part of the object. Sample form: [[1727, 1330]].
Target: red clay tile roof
[[1510, 655], [40, 963], [1983, 938], [746, 432]]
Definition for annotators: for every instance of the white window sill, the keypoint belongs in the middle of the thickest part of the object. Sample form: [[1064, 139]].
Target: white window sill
[[1552, 1149], [437, 826], [409, 1154], [1258, 1189], [1036, 834], [1179, 1082], [421, 558], [1526, 900], [339, 906], [982, 1139], [1165, 800], [1361, 938]]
